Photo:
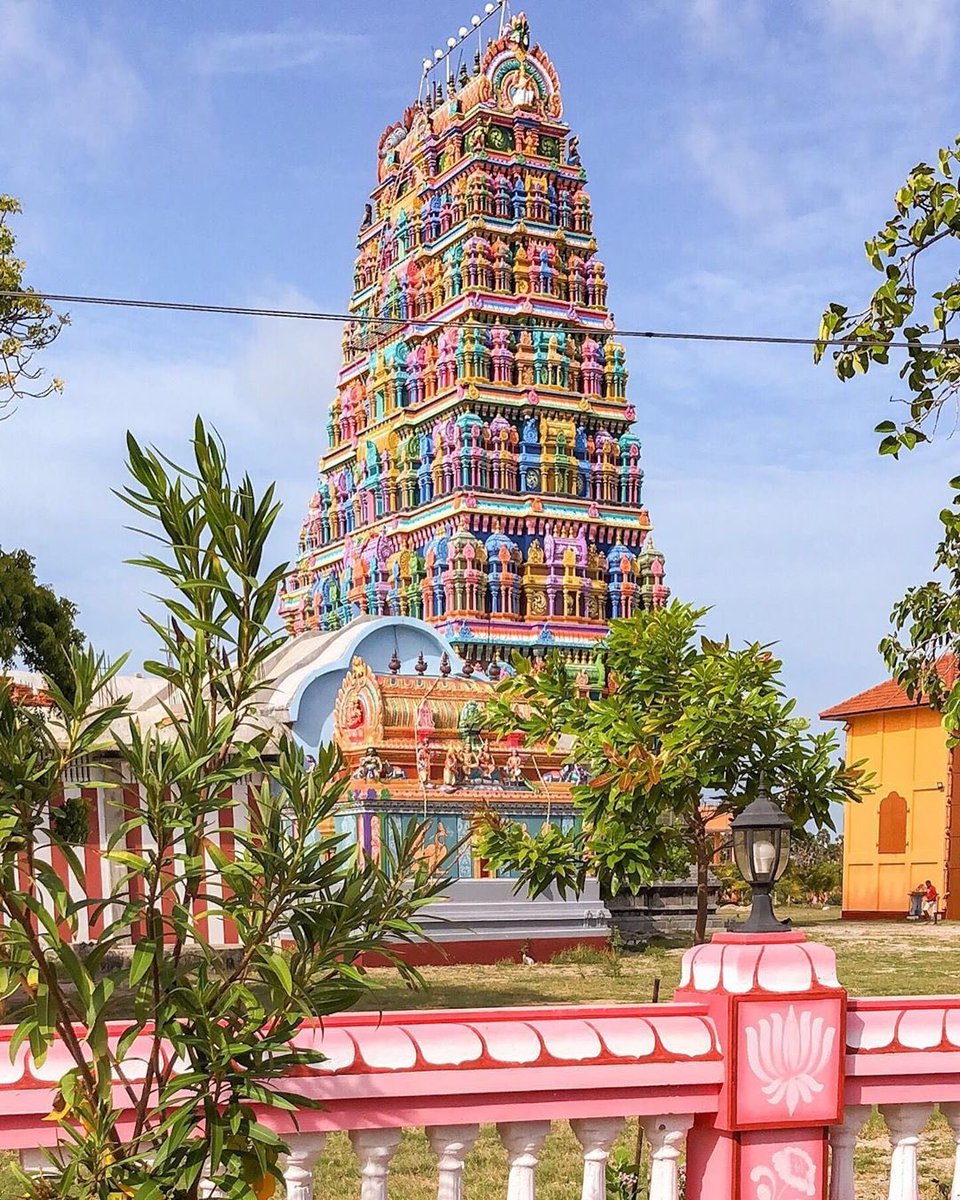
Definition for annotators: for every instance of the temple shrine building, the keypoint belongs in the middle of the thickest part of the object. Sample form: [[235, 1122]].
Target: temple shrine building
[[907, 830]]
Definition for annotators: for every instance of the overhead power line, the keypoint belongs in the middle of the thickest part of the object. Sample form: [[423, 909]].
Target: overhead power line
[[295, 314]]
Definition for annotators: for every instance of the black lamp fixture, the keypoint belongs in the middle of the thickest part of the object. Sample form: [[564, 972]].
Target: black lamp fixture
[[761, 848]]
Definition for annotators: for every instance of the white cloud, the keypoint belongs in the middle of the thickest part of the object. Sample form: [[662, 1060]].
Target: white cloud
[[738, 175], [71, 95], [721, 29], [265, 387], [907, 33], [281, 49]]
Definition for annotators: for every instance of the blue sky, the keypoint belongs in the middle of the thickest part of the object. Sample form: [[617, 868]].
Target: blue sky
[[739, 152]]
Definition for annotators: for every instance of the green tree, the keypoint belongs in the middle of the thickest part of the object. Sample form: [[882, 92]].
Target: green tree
[[815, 872], [27, 323], [232, 1020], [36, 625], [686, 719], [926, 622]]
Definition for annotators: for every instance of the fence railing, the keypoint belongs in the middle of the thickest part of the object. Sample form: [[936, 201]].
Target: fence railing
[[760, 1075]]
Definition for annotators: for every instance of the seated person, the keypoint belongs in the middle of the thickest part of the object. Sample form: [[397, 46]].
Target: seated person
[[930, 898]]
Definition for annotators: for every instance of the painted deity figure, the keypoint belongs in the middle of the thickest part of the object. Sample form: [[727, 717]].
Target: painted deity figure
[[515, 776], [371, 765], [424, 763], [355, 717], [433, 853], [453, 768], [486, 762], [477, 138]]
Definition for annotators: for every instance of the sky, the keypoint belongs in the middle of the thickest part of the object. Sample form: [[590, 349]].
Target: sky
[[738, 153]]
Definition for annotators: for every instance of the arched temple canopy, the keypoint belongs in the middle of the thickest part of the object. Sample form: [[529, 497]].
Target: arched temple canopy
[[309, 670]]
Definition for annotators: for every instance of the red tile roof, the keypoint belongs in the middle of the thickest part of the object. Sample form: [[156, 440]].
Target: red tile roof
[[29, 697], [887, 695]]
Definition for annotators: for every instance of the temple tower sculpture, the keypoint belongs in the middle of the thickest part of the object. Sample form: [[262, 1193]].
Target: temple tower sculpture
[[481, 473]]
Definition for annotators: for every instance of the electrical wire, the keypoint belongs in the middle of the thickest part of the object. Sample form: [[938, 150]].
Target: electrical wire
[[426, 322]]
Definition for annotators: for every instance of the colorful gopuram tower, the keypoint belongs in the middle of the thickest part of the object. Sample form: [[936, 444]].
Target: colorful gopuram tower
[[481, 473]]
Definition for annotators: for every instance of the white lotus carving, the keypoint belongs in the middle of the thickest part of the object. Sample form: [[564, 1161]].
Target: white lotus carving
[[787, 1055]]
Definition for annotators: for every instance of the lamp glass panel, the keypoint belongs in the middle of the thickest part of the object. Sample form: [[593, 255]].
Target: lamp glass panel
[[741, 853], [783, 851]]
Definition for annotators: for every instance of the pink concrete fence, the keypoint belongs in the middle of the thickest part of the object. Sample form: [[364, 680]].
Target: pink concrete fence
[[760, 1073]]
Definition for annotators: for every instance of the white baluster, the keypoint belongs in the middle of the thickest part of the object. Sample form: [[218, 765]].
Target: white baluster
[[904, 1122], [374, 1148], [298, 1164], [523, 1140], [952, 1113], [596, 1135], [666, 1136], [843, 1142], [451, 1144]]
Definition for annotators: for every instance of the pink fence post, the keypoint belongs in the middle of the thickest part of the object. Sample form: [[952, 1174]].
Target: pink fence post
[[780, 1014]]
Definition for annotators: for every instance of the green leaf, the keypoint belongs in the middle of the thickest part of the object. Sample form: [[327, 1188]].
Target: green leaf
[[144, 953], [281, 970]]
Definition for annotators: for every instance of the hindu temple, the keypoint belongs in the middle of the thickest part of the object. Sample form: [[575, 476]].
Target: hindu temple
[[481, 492]]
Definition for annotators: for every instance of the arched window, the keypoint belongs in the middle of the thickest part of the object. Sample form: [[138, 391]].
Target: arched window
[[893, 825]]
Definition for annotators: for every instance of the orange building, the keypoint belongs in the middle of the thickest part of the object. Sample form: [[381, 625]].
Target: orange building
[[908, 829]]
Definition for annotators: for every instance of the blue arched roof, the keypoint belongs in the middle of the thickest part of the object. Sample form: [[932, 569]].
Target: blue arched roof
[[315, 684]]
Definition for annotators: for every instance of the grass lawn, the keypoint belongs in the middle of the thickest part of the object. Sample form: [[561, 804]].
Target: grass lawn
[[874, 959]]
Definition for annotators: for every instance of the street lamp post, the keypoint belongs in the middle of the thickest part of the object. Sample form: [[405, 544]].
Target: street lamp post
[[761, 848]]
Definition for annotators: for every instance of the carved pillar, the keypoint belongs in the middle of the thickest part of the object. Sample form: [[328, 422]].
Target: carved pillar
[[666, 1137], [596, 1135], [952, 1114], [451, 1144], [843, 1141], [374, 1148], [297, 1166], [904, 1122], [523, 1140], [780, 1017]]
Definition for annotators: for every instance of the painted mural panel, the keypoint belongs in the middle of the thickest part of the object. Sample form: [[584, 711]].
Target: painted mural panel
[[441, 843]]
